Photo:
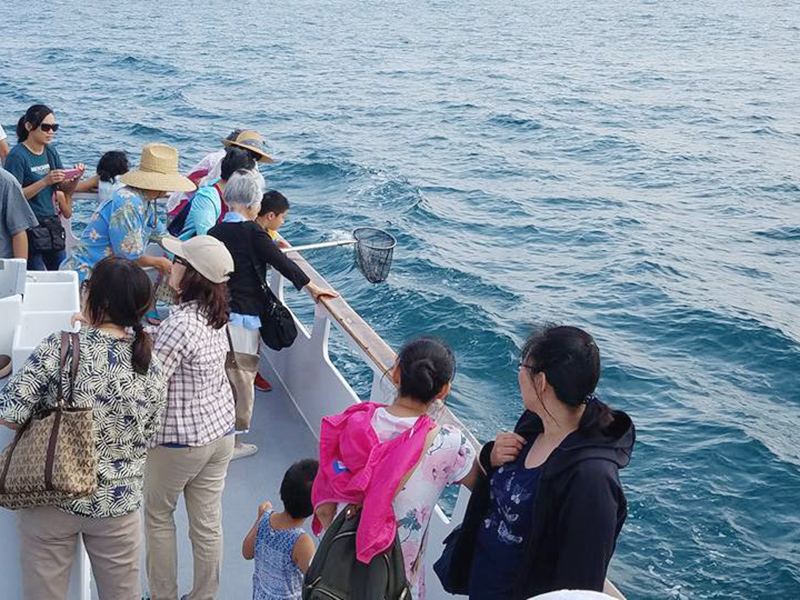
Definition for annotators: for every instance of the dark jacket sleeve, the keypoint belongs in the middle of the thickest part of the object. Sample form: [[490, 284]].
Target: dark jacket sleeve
[[587, 526], [269, 252]]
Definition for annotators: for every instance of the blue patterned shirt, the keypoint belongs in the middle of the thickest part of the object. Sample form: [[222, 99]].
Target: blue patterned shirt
[[120, 226]]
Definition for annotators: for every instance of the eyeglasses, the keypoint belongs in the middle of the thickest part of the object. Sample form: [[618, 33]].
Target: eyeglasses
[[180, 261], [48, 127], [522, 365]]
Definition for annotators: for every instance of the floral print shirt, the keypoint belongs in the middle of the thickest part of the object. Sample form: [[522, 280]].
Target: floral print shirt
[[126, 412], [448, 461], [120, 226]]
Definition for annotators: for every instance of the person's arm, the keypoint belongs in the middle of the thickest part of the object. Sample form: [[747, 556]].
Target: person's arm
[[18, 219], [162, 263], [303, 552], [4, 150], [64, 201], [88, 185], [326, 513], [156, 395], [19, 245], [249, 543], [586, 527], [36, 380], [269, 252], [172, 344]]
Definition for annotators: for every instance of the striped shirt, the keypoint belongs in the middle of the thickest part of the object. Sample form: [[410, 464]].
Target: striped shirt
[[200, 407]]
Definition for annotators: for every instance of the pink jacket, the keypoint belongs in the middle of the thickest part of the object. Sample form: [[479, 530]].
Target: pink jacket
[[355, 468]]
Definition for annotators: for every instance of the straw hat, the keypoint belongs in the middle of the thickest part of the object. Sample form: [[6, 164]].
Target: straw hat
[[252, 141], [158, 171]]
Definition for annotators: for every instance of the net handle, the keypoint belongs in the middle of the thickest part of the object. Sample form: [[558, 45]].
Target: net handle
[[319, 245]]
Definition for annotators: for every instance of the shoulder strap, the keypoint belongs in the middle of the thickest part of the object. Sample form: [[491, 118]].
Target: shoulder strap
[[428, 443], [66, 336], [49, 152]]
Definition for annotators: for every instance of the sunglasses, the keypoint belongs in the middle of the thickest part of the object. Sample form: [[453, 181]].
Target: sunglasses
[[48, 127]]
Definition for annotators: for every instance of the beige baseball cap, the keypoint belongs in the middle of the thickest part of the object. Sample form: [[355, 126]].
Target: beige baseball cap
[[206, 254]]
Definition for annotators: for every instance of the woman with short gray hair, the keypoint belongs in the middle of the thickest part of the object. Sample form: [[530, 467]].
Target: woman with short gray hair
[[253, 251]]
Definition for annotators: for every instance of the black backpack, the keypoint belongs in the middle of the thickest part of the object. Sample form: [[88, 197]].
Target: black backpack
[[175, 227], [336, 574]]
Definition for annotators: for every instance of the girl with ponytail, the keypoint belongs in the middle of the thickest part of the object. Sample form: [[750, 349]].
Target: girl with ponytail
[[408, 442], [37, 166], [120, 379]]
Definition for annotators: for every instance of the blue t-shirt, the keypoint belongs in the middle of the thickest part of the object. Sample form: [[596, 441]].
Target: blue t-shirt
[[504, 533], [29, 168]]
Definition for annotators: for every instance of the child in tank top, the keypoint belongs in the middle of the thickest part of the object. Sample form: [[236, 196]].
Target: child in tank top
[[281, 549]]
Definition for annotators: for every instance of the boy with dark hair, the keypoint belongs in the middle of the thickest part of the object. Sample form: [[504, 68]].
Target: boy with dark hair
[[281, 548], [273, 213]]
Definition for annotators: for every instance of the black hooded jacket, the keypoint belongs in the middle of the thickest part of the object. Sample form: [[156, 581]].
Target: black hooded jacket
[[579, 509]]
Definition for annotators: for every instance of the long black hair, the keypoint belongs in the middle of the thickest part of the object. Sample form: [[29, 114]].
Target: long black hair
[[570, 359], [34, 115], [426, 366], [119, 291]]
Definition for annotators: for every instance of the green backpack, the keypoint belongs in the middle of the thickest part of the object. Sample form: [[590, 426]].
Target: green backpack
[[336, 574]]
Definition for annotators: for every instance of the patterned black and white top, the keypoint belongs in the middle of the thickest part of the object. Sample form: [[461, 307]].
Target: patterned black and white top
[[127, 408]]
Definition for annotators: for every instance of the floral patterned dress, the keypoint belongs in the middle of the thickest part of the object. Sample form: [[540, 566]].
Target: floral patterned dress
[[120, 226], [448, 461]]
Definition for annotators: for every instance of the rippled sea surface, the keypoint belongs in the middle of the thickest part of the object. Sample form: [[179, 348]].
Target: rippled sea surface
[[629, 167]]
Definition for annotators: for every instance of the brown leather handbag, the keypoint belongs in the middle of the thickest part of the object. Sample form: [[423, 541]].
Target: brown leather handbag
[[53, 457], [241, 369]]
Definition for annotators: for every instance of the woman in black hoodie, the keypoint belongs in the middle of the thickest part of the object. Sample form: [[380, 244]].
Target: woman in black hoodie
[[548, 515]]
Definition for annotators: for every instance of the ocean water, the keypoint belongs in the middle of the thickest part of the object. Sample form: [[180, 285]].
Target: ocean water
[[628, 167]]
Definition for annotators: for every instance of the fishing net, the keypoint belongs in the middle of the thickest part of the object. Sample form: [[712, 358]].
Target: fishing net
[[373, 252]]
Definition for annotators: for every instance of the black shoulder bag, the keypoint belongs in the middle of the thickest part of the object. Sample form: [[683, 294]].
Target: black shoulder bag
[[278, 329]]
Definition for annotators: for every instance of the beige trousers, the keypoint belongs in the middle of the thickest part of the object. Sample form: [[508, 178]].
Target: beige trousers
[[48, 538], [198, 473]]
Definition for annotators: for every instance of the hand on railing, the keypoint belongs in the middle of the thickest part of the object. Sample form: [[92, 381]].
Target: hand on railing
[[318, 293]]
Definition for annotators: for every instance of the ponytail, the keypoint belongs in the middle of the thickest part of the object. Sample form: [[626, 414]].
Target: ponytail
[[34, 115], [142, 350], [596, 418]]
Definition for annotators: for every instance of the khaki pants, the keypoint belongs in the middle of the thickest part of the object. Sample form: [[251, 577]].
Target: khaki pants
[[198, 473], [48, 538]]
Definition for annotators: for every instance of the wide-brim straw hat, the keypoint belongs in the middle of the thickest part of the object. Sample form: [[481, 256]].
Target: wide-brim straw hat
[[252, 141], [158, 171]]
